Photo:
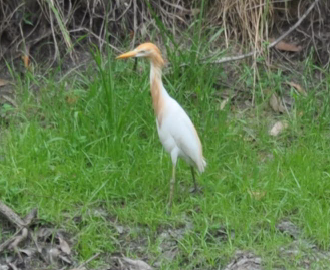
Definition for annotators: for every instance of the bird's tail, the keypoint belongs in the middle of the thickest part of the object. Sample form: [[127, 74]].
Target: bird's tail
[[201, 165]]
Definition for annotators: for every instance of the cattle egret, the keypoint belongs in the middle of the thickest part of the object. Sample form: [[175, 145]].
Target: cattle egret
[[175, 129]]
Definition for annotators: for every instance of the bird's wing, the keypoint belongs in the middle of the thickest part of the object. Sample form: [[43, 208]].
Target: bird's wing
[[185, 136]]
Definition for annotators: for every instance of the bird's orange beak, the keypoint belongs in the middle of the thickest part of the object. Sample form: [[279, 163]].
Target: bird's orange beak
[[126, 55]]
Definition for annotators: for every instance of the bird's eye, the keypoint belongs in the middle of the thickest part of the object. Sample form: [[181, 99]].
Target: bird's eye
[[143, 51]]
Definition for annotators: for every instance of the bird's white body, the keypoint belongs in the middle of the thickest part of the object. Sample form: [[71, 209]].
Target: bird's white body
[[176, 131]]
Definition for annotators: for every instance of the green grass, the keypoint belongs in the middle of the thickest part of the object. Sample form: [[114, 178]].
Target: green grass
[[88, 143]]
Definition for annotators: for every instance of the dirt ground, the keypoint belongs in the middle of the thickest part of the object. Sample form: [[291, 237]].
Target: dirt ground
[[31, 243]]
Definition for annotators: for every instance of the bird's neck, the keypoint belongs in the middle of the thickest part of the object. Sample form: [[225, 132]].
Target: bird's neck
[[158, 92]]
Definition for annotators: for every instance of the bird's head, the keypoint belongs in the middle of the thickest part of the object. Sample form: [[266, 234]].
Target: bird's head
[[146, 50]]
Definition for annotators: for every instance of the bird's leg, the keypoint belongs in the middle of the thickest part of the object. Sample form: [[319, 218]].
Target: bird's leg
[[135, 64], [172, 182], [195, 188], [193, 177]]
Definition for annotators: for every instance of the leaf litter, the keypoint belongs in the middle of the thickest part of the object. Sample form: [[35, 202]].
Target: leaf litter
[[135, 264], [244, 260], [32, 245], [289, 228]]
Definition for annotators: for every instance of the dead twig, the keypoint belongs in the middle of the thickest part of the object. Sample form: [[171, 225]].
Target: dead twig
[[13, 266], [232, 58], [5, 244], [87, 261], [96, 36], [124, 12], [293, 26]]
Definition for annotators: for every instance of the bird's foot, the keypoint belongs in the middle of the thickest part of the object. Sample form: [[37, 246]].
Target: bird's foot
[[196, 190]]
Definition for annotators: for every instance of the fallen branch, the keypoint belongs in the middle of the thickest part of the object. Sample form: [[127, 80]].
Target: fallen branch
[[11, 215], [239, 57], [22, 224]]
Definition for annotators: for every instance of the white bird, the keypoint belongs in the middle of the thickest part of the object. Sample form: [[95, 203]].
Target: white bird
[[175, 129]]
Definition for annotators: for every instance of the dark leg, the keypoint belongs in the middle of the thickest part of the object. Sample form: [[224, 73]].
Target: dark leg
[[135, 63], [193, 177]]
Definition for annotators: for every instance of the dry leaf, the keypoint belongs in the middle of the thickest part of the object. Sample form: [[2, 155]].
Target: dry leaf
[[284, 46], [298, 87], [10, 100], [195, 11], [3, 82], [45, 233], [65, 259], [53, 254], [26, 61], [278, 127], [223, 103], [276, 103], [28, 252], [64, 246], [289, 47], [250, 135], [258, 195], [120, 229], [137, 264], [12, 266]]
